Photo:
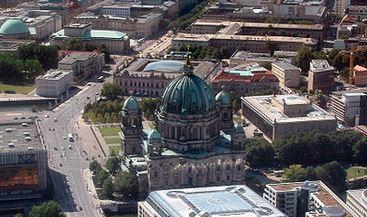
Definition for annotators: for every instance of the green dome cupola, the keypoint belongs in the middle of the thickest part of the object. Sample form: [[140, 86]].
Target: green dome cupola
[[131, 104], [223, 98], [14, 28], [188, 94]]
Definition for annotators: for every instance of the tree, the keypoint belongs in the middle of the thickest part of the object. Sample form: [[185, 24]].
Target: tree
[[360, 151], [126, 185], [107, 188], [106, 52], [113, 165], [101, 176], [94, 166], [333, 174], [148, 106], [303, 58], [47, 209], [46, 55], [111, 91], [272, 47], [18, 215], [296, 173], [259, 152]]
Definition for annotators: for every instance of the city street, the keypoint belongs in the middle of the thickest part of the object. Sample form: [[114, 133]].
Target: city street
[[69, 159]]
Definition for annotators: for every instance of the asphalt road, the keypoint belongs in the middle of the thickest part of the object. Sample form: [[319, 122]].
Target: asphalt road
[[67, 160]]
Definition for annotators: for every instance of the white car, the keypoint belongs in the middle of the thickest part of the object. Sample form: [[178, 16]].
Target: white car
[[47, 116]]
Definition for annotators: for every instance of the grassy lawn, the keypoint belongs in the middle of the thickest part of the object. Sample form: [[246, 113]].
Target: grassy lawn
[[114, 150], [112, 140], [353, 172], [20, 89], [109, 131]]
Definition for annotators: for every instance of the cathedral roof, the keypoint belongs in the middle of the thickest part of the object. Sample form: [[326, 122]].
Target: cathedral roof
[[223, 98], [188, 94]]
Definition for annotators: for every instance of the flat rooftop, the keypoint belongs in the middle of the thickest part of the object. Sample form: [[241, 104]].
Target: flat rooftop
[[77, 56], [285, 66], [264, 105], [203, 22], [229, 201], [19, 135], [360, 195], [55, 74], [207, 37]]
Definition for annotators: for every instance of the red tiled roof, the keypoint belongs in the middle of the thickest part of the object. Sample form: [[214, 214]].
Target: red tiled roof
[[359, 68]]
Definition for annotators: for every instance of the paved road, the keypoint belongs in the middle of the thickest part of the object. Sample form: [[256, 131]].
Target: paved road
[[67, 160]]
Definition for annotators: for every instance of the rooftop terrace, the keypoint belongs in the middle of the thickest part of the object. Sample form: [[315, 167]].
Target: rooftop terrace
[[19, 136]]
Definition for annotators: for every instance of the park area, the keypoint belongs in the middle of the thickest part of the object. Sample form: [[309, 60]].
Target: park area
[[111, 136], [356, 171], [18, 89]]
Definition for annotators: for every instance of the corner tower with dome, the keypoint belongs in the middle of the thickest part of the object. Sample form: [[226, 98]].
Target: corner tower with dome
[[195, 142]]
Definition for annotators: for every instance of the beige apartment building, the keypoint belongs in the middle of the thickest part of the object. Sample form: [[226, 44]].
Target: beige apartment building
[[321, 76], [82, 64], [288, 74]]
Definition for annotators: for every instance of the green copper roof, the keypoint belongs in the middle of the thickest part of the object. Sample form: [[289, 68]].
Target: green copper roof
[[14, 27], [188, 94], [154, 134], [223, 98], [131, 104]]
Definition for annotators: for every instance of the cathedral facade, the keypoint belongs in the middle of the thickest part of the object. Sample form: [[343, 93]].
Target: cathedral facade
[[195, 142]]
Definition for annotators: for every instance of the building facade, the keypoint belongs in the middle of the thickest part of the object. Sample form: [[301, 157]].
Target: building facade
[[82, 64], [349, 107], [288, 74], [231, 201], [360, 76], [357, 202], [54, 83], [23, 161], [280, 115], [116, 42], [321, 76], [188, 147]]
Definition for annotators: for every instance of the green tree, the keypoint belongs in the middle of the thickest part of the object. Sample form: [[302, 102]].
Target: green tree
[[94, 166], [106, 52], [333, 174], [303, 58], [101, 176], [107, 188], [259, 152], [111, 91], [46, 55], [47, 209], [272, 47], [126, 185], [148, 106], [296, 173], [18, 215], [360, 151], [113, 165]]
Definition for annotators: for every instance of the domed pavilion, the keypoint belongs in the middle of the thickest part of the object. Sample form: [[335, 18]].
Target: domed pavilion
[[195, 142], [14, 29]]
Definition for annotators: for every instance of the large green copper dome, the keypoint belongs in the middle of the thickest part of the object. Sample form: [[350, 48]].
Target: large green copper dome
[[14, 27], [188, 94]]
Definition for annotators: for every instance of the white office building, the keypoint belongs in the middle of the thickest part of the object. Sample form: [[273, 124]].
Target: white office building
[[54, 83], [357, 202]]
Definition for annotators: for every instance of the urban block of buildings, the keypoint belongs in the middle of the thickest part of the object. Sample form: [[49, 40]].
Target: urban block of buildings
[[235, 42], [281, 115], [116, 42], [195, 143], [231, 201], [321, 76], [244, 57], [213, 26], [350, 107], [54, 83], [309, 198], [82, 64], [288, 74], [242, 79], [23, 161], [357, 202], [149, 77]]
